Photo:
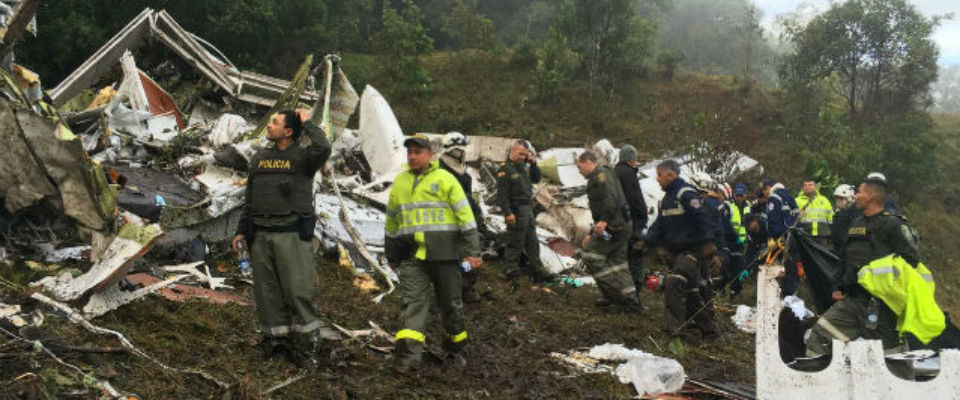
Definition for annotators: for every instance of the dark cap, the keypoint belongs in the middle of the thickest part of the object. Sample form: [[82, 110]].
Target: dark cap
[[740, 190], [766, 182], [417, 140]]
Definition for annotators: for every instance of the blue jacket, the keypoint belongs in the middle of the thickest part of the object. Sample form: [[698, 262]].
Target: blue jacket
[[683, 221], [781, 212]]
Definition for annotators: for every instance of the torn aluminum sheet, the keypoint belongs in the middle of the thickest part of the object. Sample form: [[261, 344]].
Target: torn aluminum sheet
[[554, 262], [83, 192], [368, 221], [339, 99], [745, 319], [181, 292], [8, 310], [131, 243], [559, 166], [567, 221], [54, 255], [227, 129], [649, 374], [380, 134], [113, 298], [224, 187], [141, 108], [193, 269], [22, 178]]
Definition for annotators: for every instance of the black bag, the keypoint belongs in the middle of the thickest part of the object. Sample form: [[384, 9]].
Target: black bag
[[306, 226]]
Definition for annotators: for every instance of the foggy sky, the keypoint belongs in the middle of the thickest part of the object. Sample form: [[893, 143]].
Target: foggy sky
[[947, 35]]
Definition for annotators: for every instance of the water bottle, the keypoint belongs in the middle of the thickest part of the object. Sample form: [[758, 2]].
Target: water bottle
[[606, 236], [243, 259], [465, 266], [873, 311]]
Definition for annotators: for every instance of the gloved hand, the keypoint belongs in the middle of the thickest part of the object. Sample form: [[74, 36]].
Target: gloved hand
[[771, 243], [739, 241], [743, 275]]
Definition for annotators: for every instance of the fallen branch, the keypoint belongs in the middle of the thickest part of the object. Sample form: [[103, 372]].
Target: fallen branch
[[77, 318], [284, 384], [88, 379], [361, 247]]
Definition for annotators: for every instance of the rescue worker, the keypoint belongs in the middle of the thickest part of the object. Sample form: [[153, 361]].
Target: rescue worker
[[738, 209], [605, 248], [685, 229], [872, 235], [816, 212], [515, 196], [626, 171], [430, 232], [277, 224], [843, 215], [781, 209], [453, 161]]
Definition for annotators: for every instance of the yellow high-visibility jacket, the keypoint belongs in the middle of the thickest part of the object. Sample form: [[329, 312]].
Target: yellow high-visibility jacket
[[816, 214], [429, 218], [908, 291]]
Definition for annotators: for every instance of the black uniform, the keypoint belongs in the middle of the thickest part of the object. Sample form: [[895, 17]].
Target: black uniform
[[686, 228], [868, 238], [606, 258], [638, 215], [278, 222], [469, 278]]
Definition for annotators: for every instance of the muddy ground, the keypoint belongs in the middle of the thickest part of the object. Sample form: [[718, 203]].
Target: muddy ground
[[511, 334]]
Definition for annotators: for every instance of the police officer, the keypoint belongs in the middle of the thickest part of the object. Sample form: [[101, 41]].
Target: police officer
[[515, 196], [685, 229], [453, 161], [816, 212], [278, 223], [626, 171], [605, 248], [430, 233], [873, 234]]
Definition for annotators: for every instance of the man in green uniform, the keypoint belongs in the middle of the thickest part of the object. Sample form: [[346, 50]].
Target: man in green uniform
[[605, 248], [278, 221], [515, 196], [873, 234], [430, 233]]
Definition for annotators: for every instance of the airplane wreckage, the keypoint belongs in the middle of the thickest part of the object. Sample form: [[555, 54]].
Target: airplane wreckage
[[133, 173]]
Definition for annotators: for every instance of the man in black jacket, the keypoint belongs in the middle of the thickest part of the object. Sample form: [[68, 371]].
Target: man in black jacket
[[453, 159], [626, 171]]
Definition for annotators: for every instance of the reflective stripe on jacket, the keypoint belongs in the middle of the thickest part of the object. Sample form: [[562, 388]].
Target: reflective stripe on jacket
[[908, 291], [429, 218], [816, 215]]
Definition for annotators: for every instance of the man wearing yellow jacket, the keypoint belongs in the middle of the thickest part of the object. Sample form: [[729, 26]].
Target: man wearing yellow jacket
[[872, 235], [816, 212], [430, 232]]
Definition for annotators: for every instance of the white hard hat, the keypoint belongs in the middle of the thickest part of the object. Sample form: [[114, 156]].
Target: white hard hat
[[844, 191], [702, 181], [454, 139]]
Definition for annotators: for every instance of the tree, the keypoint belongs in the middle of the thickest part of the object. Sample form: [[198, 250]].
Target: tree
[[880, 49], [611, 36], [468, 28], [402, 41]]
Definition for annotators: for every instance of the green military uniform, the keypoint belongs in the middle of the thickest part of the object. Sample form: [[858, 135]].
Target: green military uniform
[[515, 196], [606, 259], [868, 238], [429, 229], [278, 222]]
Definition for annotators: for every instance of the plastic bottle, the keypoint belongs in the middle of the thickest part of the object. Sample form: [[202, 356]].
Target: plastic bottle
[[606, 236], [873, 314], [243, 259], [465, 266]]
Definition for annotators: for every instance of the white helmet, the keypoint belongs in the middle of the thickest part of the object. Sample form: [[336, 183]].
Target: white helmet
[[844, 191], [452, 139], [702, 181]]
